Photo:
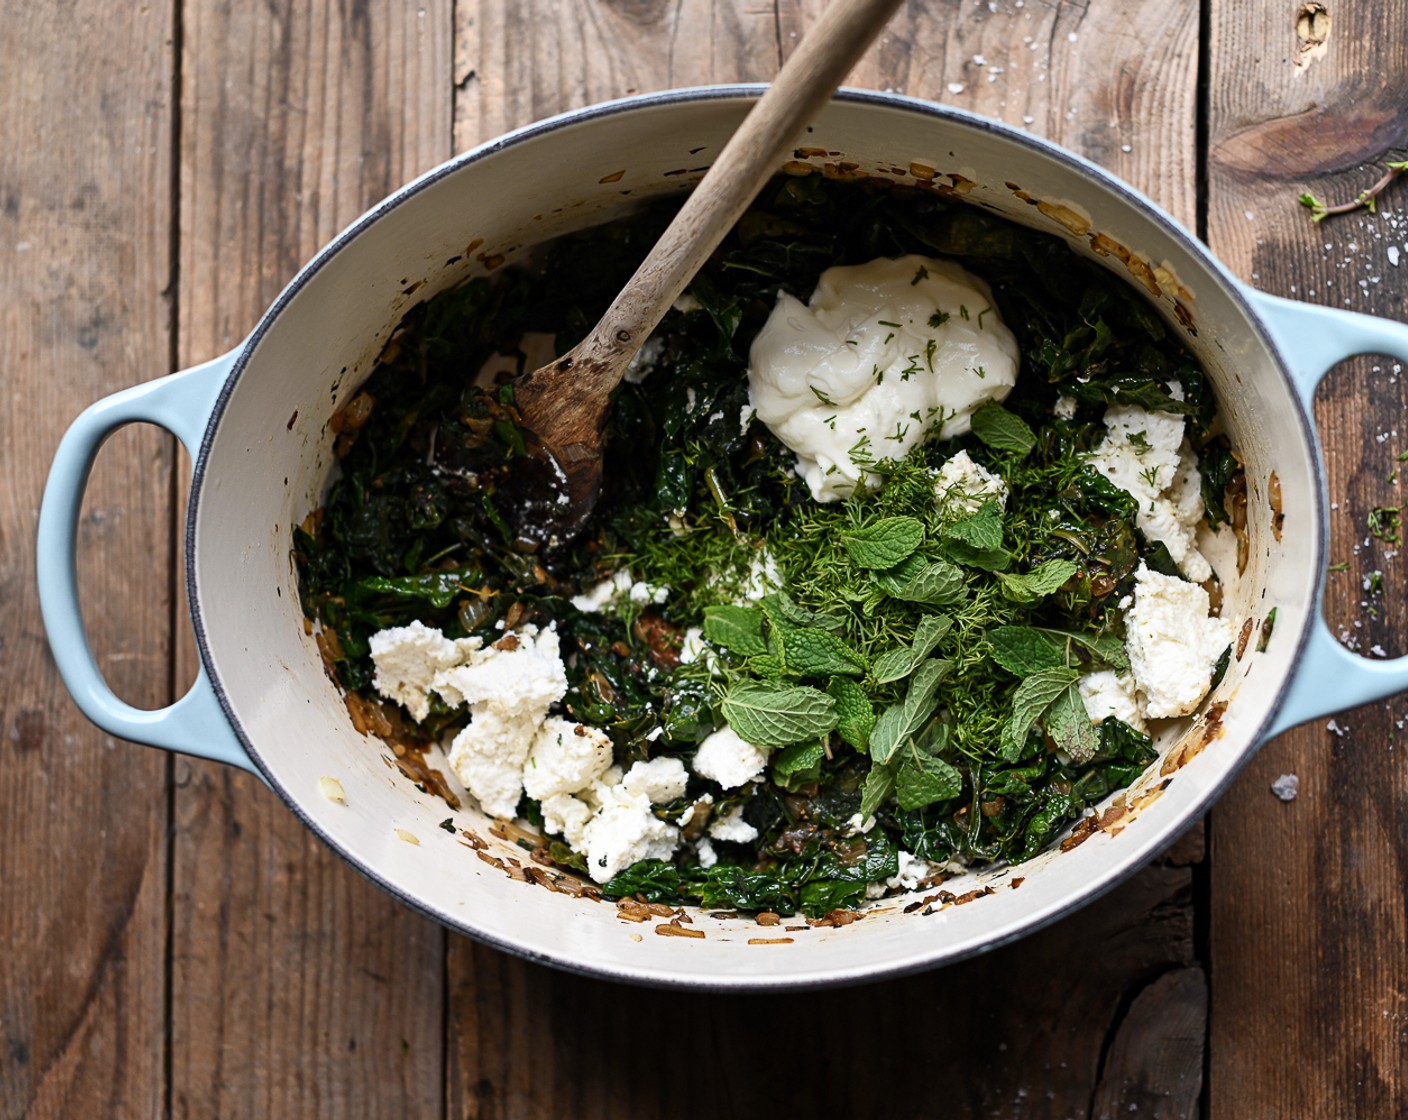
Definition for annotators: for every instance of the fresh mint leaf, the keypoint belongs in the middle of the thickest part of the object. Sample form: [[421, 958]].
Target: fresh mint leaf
[[739, 629], [1041, 581], [1068, 723], [984, 559], [922, 781], [768, 666], [855, 714], [1023, 650], [1029, 703], [806, 650], [1107, 647], [883, 543], [1002, 430], [896, 664], [935, 582], [981, 529], [795, 766], [817, 653], [900, 721], [777, 715], [877, 787], [780, 605]]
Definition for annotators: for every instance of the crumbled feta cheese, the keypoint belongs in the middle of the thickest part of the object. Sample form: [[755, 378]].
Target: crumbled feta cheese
[[885, 354], [707, 856], [1286, 787], [408, 660], [612, 590], [912, 872], [1065, 407], [731, 826], [624, 831], [692, 646], [1144, 454], [727, 759], [660, 779], [566, 756], [686, 303], [566, 816], [1108, 693], [601, 595], [855, 826], [647, 593], [1172, 643], [509, 689], [962, 486]]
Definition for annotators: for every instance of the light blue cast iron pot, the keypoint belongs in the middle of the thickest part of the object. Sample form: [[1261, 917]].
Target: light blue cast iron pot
[[255, 421]]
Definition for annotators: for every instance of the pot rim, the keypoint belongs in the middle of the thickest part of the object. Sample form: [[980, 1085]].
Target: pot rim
[[869, 972]]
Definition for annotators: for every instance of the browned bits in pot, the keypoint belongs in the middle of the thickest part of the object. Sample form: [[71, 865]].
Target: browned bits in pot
[[1273, 496], [508, 643], [1213, 586], [1081, 833], [768, 918], [993, 807], [1102, 584], [660, 637], [772, 941], [971, 895], [1244, 637], [629, 910], [670, 929], [836, 918], [1236, 503], [353, 414]]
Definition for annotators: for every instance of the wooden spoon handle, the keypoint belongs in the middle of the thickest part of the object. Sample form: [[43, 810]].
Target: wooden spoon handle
[[842, 34]]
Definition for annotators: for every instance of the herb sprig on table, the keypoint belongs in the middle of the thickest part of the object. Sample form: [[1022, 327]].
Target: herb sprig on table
[[917, 663]]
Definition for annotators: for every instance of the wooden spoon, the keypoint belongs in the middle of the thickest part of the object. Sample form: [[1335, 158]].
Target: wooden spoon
[[563, 405]]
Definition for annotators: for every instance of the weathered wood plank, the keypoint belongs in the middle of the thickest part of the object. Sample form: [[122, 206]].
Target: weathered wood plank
[[297, 987], [518, 61], [1115, 82], [85, 265], [1308, 931], [1003, 1038], [1017, 1033]]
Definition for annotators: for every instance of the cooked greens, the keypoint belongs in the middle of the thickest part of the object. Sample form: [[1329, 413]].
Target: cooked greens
[[908, 660]]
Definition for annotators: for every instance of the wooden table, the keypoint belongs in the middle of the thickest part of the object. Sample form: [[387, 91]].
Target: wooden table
[[173, 942]]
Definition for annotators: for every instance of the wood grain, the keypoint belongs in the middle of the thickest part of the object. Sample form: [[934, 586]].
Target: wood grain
[[1018, 1033], [297, 987], [1308, 930], [84, 272], [1024, 1032], [518, 61]]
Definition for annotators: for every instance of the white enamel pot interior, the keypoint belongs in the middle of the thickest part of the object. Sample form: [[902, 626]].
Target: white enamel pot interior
[[265, 458]]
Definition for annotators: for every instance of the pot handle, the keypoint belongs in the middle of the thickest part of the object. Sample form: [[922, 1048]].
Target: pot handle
[[1311, 339], [182, 404]]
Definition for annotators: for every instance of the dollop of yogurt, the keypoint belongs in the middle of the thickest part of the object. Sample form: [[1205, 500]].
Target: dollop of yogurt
[[884, 356]]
